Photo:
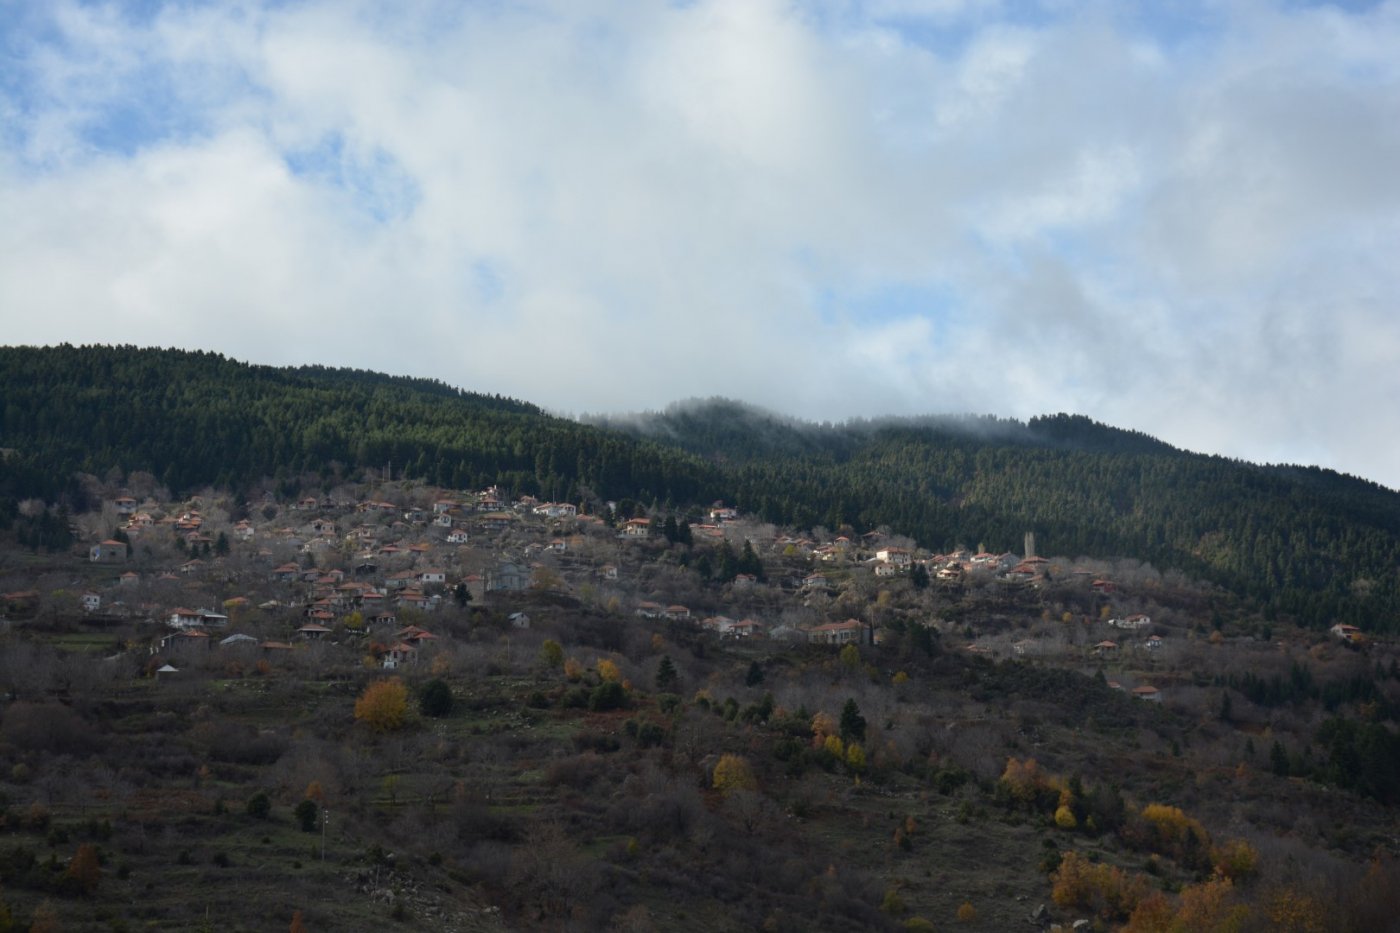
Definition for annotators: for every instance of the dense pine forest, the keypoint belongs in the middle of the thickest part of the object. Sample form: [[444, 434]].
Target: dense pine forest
[[1303, 544]]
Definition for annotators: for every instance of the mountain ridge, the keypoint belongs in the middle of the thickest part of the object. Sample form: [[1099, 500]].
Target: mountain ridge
[[1308, 543]]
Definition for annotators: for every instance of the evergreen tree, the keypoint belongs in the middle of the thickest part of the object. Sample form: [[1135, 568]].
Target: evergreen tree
[[666, 676], [852, 722]]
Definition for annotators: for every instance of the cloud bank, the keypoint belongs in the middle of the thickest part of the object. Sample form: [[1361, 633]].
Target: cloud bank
[[1185, 225]]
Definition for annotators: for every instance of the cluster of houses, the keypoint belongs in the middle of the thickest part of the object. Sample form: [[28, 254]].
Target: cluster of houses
[[349, 569]]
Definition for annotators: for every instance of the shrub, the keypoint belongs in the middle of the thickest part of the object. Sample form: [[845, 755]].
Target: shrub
[[435, 700], [306, 815], [1236, 859], [607, 696], [259, 806]]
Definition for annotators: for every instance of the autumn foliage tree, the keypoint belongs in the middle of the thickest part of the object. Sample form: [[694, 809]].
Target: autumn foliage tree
[[1169, 831], [732, 773], [1103, 889], [383, 707], [85, 869]]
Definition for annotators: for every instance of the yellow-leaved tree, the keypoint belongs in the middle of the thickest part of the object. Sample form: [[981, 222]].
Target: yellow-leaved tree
[[383, 707], [732, 773]]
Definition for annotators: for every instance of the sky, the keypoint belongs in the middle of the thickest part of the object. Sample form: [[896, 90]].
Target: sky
[[1178, 217]]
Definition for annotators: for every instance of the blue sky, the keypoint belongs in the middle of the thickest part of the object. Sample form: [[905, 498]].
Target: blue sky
[[1179, 218]]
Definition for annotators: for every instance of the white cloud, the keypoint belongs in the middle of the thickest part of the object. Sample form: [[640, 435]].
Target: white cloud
[[599, 206]]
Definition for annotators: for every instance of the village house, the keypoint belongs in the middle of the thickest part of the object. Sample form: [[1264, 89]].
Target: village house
[[556, 510], [92, 602], [723, 513], [850, 632], [508, 577], [416, 599], [415, 635], [1347, 633], [951, 573], [125, 505], [637, 528], [400, 580], [107, 552], [400, 654], [196, 618], [1105, 649], [494, 521], [458, 536], [314, 631], [898, 557], [287, 573], [745, 628], [1022, 573], [1149, 693], [719, 625], [184, 644]]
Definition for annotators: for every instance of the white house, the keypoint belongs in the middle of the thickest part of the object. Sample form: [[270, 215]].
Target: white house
[[897, 556]]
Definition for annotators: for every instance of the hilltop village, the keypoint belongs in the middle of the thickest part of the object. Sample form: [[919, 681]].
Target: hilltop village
[[388, 572]]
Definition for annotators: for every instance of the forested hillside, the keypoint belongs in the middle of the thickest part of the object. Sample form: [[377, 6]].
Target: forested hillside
[[1301, 542]]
